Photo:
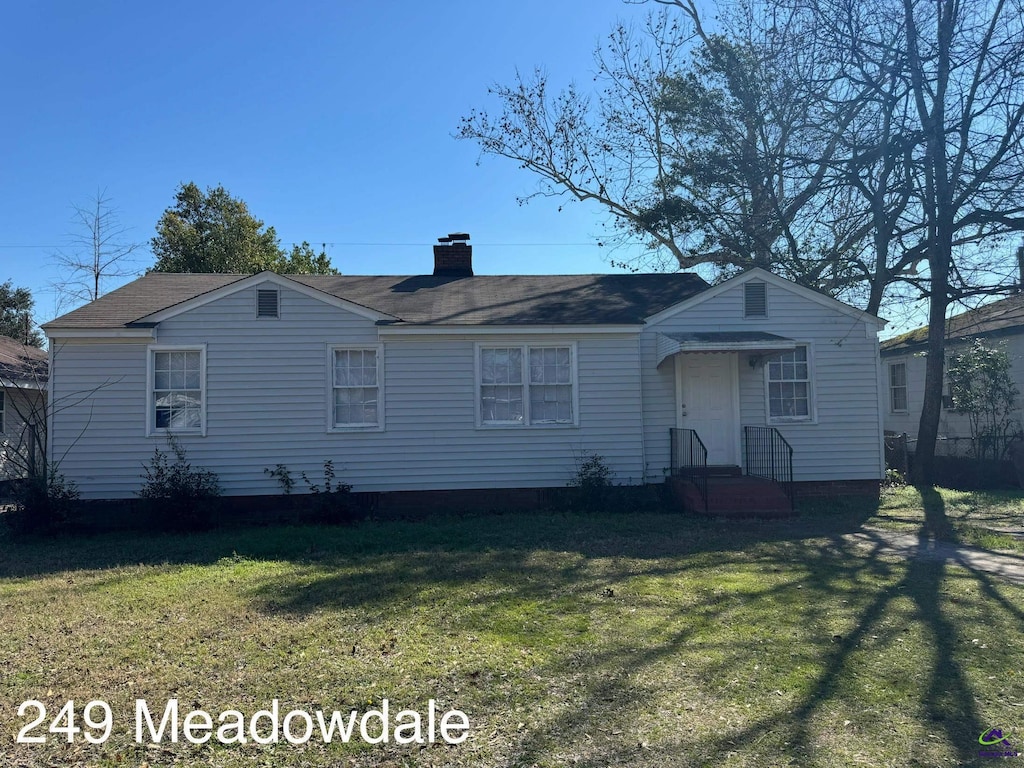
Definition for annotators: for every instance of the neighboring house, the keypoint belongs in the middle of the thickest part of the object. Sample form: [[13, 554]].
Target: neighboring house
[[903, 357], [454, 381], [23, 375]]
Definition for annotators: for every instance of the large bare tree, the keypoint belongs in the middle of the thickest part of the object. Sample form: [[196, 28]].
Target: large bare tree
[[712, 148], [946, 77], [99, 250]]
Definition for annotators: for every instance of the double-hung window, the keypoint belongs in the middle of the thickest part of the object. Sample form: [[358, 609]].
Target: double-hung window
[[177, 391], [897, 387], [356, 388], [527, 385], [789, 386]]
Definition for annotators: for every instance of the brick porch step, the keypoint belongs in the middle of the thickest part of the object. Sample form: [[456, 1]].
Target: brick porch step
[[737, 497]]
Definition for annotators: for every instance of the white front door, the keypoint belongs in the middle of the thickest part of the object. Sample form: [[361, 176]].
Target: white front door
[[707, 403]]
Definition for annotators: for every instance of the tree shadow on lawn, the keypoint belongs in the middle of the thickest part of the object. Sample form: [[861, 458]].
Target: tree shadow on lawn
[[800, 616], [947, 704], [638, 535], [733, 613]]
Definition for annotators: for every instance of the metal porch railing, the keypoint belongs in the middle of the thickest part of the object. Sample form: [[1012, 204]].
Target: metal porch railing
[[767, 455], [690, 459]]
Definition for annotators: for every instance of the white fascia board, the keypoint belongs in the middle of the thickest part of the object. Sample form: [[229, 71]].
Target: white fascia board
[[756, 273], [670, 347], [504, 330], [104, 334], [259, 279], [6, 383]]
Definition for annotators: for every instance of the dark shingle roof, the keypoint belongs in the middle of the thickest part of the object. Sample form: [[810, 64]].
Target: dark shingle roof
[[1005, 316], [426, 299], [22, 363]]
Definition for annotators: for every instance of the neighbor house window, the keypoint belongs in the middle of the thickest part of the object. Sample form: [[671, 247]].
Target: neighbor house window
[[898, 387], [789, 386], [177, 396], [947, 386], [521, 385], [356, 377]]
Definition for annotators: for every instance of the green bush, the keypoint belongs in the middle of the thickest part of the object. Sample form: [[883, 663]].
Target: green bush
[[592, 483], [894, 479], [179, 497], [42, 504], [330, 503]]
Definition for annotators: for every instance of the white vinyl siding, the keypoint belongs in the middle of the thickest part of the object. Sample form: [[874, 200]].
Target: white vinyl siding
[[897, 387], [176, 390], [269, 393], [843, 442], [526, 385], [789, 386], [355, 388]]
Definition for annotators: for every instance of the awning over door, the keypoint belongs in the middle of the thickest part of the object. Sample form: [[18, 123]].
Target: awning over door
[[721, 341]]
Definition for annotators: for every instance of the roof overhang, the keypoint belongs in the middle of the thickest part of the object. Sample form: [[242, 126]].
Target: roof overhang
[[721, 341], [130, 333], [756, 273], [409, 329], [260, 278]]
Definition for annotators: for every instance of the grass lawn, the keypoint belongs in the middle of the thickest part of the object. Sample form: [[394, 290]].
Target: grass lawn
[[589, 640]]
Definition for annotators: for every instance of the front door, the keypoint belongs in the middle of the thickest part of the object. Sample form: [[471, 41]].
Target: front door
[[707, 403]]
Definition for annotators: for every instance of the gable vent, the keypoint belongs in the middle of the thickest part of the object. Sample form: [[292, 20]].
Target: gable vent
[[267, 302], [755, 299]]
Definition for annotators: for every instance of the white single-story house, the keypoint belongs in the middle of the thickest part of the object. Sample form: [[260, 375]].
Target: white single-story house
[[23, 376], [455, 381], [999, 323]]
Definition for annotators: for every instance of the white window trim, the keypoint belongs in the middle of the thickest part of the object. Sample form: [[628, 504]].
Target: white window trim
[[256, 306], [767, 302], [812, 404], [3, 412], [526, 347], [151, 428], [331, 426], [906, 387]]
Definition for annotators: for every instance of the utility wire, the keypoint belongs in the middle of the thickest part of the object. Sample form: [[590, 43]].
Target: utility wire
[[388, 245]]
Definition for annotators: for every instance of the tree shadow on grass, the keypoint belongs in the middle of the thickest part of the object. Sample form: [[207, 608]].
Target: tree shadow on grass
[[948, 702], [642, 535], [599, 698], [803, 587]]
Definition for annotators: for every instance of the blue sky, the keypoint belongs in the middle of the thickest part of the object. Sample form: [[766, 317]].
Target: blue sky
[[332, 120]]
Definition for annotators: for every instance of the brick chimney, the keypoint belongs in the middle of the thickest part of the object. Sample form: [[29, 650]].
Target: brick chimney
[[453, 256]]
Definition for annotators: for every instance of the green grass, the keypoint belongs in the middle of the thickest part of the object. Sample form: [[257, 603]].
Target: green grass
[[974, 518], [590, 640]]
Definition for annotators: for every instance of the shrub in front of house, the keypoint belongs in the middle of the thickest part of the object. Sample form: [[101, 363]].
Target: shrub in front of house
[[43, 504], [592, 484], [179, 496], [330, 503]]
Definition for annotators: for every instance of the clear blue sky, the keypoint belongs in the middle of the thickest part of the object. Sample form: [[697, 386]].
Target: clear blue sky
[[332, 120]]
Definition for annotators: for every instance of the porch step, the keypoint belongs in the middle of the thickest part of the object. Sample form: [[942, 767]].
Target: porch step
[[724, 470], [737, 497]]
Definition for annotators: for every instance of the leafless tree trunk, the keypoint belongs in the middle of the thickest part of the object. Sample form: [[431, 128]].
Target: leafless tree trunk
[[97, 252]]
